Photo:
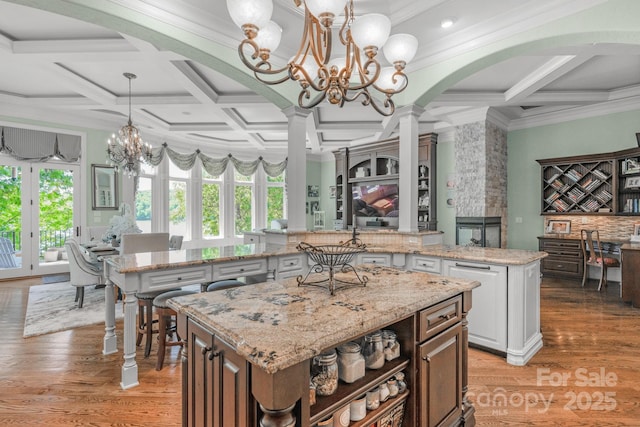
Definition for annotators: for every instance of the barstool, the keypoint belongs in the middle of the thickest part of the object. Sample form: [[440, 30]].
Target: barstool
[[145, 318], [165, 316], [224, 284]]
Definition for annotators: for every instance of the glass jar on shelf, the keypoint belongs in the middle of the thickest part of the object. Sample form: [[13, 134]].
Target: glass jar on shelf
[[402, 383], [391, 345], [351, 364], [392, 385], [384, 392], [373, 351], [324, 373]]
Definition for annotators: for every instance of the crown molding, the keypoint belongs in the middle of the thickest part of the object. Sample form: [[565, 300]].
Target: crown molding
[[575, 113]]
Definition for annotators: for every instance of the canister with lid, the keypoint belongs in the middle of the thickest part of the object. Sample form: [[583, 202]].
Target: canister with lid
[[391, 345], [324, 373], [351, 365], [373, 351]]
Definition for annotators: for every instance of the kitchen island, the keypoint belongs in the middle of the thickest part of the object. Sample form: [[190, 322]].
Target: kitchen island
[[257, 342]]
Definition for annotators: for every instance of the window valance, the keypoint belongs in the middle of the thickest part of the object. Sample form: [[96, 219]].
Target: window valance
[[216, 166], [36, 145]]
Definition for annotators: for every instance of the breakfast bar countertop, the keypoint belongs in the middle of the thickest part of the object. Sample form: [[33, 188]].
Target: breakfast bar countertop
[[147, 261], [275, 325]]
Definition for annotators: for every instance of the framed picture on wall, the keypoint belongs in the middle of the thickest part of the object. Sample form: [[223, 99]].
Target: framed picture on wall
[[313, 190], [559, 226]]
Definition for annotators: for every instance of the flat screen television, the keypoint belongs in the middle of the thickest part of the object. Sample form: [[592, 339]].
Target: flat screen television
[[375, 200]]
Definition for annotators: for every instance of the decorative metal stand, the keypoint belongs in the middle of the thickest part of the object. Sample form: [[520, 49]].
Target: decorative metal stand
[[332, 257]]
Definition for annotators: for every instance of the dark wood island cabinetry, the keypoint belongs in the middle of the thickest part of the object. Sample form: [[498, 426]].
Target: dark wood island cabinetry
[[249, 350]]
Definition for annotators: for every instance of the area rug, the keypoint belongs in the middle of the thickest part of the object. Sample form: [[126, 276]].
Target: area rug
[[51, 308]]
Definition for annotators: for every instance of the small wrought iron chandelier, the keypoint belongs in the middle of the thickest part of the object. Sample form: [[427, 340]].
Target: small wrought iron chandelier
[[127, 151], [338, 79]]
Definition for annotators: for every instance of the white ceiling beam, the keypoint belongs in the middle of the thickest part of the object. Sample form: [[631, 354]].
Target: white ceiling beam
[[47, 48], [475, 99], [389, 125], [199, 127], [6, 44], [238, 124], [565, 97], [551, 70], [341, 126], [83, 86]]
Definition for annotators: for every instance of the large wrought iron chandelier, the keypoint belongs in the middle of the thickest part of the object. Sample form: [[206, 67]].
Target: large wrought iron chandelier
[[126, 151], [338, 77]]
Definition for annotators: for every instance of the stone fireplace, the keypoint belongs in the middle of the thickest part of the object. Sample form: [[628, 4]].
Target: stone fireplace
[[479, 231]]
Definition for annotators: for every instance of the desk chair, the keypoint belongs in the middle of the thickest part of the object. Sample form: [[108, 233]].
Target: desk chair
[[592, 256], [82, 272]]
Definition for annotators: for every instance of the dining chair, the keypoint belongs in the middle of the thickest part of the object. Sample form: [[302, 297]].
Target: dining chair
[[593, 256], [175, 242], [81, 271], [144, 242]]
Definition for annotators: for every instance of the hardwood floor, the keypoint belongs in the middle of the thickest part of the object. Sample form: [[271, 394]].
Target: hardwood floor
[[587, 373], [63, 379]]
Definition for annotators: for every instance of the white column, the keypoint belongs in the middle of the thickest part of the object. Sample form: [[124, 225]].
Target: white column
[[408, 173], [296, 168]]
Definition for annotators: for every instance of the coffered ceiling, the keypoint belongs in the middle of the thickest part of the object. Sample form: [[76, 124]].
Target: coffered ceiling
[[63, 70]]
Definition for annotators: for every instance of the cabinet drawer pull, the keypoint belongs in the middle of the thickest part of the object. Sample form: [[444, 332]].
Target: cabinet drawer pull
[[213, 355], [205, 350], [477, 267], [447, 316], [427, 359], [242, 269], [179, 279]]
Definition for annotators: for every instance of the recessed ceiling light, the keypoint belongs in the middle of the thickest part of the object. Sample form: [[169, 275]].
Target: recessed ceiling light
[[447, 22]]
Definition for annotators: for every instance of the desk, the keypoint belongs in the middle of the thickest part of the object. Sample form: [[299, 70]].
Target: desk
[[630, 284], [153, 271]]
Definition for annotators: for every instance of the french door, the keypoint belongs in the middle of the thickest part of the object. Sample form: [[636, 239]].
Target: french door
[[40, 209]]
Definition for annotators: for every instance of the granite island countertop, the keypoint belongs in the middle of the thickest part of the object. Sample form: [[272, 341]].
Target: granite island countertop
[[140, 262], [275, 325]]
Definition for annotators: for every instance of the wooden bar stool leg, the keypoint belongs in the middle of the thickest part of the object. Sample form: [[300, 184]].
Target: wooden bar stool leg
[[141, 325], [163, 317]]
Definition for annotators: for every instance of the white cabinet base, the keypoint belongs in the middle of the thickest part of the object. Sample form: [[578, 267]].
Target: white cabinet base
[[506, 307]]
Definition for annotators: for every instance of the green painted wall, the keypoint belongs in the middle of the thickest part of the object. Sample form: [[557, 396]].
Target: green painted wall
[[327, 204], [446, 214], [586, 136]]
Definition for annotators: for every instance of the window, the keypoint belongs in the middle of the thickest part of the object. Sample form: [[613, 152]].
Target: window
[[178, 212], [243, 203], [276, 198], [144, 198], [211, 206]]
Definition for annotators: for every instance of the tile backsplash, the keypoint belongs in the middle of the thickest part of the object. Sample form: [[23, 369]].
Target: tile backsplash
[[614, 227]]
